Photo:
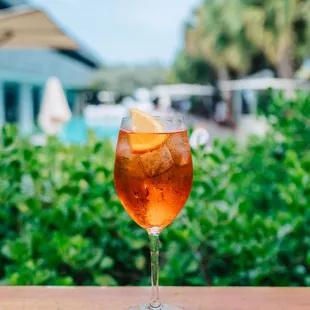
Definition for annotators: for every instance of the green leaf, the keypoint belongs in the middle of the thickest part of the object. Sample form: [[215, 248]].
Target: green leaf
[[308, 258], [106, 263], [105, 280], [137, 244], [65, 281], [284, 230], [140, 262], [193, 266]]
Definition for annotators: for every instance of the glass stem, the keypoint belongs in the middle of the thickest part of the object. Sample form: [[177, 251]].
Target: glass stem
[[155, 303]]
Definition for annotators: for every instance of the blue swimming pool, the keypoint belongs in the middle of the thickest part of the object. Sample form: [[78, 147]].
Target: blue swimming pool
[[76, 131]]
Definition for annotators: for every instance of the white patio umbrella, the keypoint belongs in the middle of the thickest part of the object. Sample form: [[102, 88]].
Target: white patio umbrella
[[55, 111], [199, 137], [23, 27]]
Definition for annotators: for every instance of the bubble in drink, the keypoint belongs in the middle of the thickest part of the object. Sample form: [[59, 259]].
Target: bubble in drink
[[178, 146]]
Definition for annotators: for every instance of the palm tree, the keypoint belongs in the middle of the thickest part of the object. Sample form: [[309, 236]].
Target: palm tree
[[219, 35], [188, 69], [281, 29]]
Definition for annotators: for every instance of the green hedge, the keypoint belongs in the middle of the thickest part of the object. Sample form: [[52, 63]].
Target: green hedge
[[247, 221]]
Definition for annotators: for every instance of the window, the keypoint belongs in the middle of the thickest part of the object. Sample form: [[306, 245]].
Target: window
[[11, 102]]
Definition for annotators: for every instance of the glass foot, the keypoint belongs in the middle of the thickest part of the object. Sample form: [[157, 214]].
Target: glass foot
[[163, 307]]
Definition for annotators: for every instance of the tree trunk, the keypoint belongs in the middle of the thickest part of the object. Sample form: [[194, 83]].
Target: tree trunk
[[223, 75], [285, 63]]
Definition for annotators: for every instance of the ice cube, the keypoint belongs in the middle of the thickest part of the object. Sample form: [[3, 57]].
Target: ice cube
[[123, 147], [156, 162], [130, 167], [179, 149], [135, 167]]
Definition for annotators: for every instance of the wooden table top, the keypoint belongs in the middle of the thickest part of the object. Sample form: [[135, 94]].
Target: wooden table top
[[121, 298]]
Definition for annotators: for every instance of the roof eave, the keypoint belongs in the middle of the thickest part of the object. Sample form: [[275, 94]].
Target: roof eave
[[88, 58], [77, 55]]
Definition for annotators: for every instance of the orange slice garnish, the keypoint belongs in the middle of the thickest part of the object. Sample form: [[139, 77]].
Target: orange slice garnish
[[148, 133]]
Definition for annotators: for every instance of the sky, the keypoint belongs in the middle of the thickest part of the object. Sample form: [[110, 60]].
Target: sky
[[125, 31]]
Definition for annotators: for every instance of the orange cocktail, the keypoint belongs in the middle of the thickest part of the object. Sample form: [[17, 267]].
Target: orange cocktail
[[153, 186], [153, 178]]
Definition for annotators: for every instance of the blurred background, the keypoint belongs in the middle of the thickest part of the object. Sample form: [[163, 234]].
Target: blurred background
[[239, 73], [212, 61]]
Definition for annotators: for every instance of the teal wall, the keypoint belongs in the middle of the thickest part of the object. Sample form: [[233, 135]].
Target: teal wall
[[25, 72], [35, 66], [2, 118]]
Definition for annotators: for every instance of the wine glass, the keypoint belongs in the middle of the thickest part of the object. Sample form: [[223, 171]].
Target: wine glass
[[153, 178]]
